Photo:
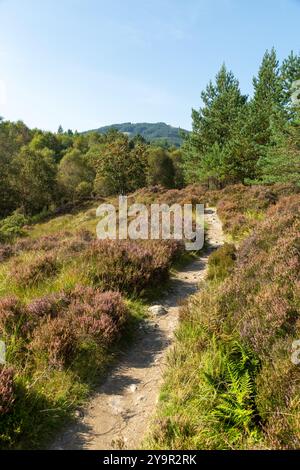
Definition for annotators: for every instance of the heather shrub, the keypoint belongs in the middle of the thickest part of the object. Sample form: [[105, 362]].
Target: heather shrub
[[7, 394], [241, 207], [190, 194], [64, 241], [12, 316], [6, 252], [86, 300], [37, 270], [52, 306], [102, 327], [100, 315], [48, 242], [266, 309], [129, 266], [63, 321], [148, 194], [72, 247], [55, 339], [23, 244], [278, 397]]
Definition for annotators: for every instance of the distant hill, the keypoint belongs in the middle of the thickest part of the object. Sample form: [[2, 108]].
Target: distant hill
[[152, 132]]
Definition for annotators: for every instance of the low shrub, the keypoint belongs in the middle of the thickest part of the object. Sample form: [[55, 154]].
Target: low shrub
[[12, 316], [64, 242], [63, 321], [54, 325], [241, 207], [55, 339], [37, 270], [7, 394], [51, 306], [100, 315], [6, 252], [11, 227], [59, 344], [129, 266]]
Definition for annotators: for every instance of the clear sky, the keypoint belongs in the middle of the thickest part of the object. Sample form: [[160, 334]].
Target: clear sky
[[87, 63]]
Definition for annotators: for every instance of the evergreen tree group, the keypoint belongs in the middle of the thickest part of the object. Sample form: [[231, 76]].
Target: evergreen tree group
[[236, 139]]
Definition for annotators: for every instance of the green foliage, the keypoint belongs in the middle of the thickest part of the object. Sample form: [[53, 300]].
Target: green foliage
[[75, 175], [12, 226], [12, 137], [267, 103], [213, 127], [41, 171], [239, 140], [120, 168], [290, 73], [35, 181], [177, 159], [222, 101], [234, 385], [221, 262], [281, 163], [160, 168]]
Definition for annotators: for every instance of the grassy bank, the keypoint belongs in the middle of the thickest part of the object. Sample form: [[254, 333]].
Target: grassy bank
[[67, 304], [231, 383]]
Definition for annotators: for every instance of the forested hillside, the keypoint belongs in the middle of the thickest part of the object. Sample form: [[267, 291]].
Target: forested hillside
[[42, 172], [159, 132]]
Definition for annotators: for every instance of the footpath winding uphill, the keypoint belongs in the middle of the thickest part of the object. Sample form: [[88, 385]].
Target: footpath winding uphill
[[119, 414]]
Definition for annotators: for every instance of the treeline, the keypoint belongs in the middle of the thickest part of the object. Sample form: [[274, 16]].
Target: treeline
[[41, 171], [234, 140], [240, 140]]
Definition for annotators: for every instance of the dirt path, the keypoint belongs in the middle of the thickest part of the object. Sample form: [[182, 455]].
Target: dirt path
[[119, 413]]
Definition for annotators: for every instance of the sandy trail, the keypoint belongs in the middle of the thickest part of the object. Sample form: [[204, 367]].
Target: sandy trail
[[119, 413]]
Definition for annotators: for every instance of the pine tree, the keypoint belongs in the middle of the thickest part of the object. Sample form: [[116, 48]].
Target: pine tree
[[281, 164], [222, 102], [290, 75], [278, 118], [213, 127], [267, 103]]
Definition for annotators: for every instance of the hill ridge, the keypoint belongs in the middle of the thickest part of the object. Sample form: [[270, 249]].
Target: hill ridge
[[151, 131]]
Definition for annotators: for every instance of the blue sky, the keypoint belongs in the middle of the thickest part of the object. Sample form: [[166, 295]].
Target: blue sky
[[87, 63]]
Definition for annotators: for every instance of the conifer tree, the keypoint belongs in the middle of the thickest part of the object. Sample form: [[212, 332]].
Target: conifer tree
[[290, 76], [281, 164], [267, 103], [213, 127]]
